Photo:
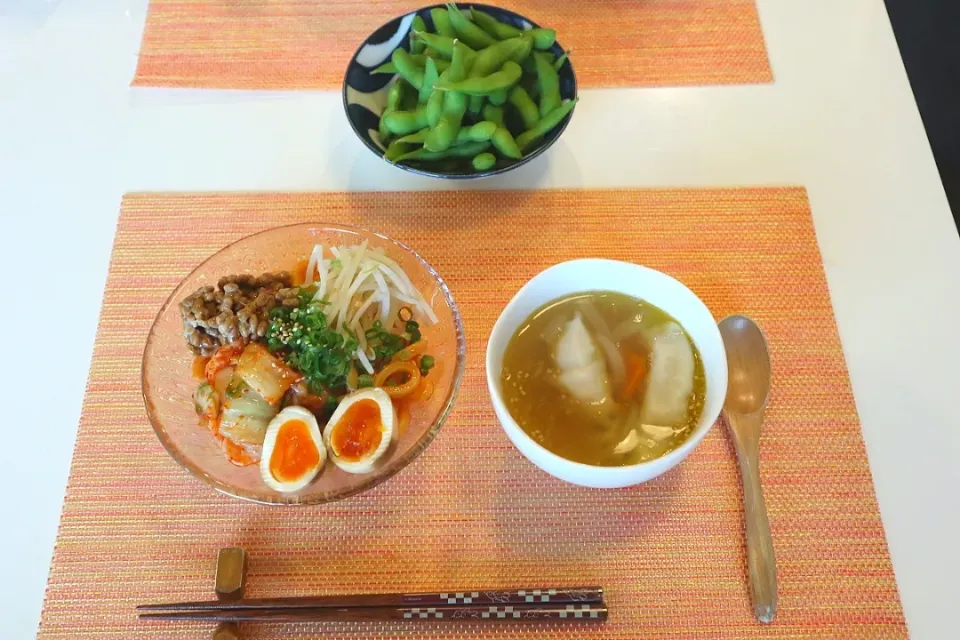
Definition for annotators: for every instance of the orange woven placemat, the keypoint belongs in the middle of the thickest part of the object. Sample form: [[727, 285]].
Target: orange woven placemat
[[289, 44], [471, 512]]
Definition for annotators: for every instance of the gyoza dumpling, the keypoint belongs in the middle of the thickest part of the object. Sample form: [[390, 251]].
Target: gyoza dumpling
[[583, 371], [671, 378]]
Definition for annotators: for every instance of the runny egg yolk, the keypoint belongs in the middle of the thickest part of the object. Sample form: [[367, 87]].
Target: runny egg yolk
[[359, 431], [295, 453]]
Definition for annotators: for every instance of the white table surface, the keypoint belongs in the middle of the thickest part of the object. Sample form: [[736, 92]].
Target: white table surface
[[839, 119]]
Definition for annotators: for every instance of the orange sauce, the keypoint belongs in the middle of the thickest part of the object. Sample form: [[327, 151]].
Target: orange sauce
[[359, 430], [237, 454], [295, 453], [199, 367], [299, 274]]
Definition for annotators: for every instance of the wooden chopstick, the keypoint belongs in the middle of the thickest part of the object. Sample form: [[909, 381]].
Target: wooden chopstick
[[591, 612], [496, 597]]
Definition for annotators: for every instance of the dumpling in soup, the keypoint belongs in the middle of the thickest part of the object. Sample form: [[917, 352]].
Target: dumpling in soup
[[667, 398], [582, 369]]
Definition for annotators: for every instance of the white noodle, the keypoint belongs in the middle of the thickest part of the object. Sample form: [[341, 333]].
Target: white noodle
[[362, 357], [315, 256]]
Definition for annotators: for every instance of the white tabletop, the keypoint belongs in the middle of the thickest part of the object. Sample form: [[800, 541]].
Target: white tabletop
[[839, 119]]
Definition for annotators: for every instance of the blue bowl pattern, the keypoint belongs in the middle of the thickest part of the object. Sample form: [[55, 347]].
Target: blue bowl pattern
[[365, 93]]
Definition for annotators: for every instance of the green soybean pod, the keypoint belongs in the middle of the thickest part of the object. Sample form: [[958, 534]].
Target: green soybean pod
[[505, 143], [543, 38], [434, 108], [475, 105], [498, 97], [415, 138], [558, 63], [441, 22], [494, 27], [525, 106], [479, 132], [493, 113], [417, 46], [548, 84], [442, 45], [546, 123], [401, 123], [492, 58], [430, 77], [474, 36], [445, 132], [508, 76], [382, 128], [408, 68], [386, 67], [484, 161], [395, 94], [467, 150], [396, 149]]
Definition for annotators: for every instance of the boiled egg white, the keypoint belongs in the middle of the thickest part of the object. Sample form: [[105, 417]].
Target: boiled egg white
[[360, 430], [293, 450]]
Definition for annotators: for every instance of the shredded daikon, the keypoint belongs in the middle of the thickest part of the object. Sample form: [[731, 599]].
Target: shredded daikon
[[358, 282]]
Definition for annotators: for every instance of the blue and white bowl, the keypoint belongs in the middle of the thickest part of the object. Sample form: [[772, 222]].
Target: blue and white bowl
[[365, 93]]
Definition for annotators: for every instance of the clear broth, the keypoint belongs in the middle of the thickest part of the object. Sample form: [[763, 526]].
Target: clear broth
[[566, 426]]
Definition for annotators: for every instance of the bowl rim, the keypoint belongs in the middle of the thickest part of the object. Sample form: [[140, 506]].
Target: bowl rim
[[397, 465], [464, 176], [656, 466]]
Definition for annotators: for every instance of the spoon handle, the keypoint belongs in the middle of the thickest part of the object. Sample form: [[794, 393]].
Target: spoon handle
[[761, 562]]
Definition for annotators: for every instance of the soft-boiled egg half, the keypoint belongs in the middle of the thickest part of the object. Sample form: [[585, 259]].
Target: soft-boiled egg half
[[293, 450], [360, 430]]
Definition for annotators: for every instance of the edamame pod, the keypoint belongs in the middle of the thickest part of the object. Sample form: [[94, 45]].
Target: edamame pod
[[484, 161], [445, 132], [494, 27], [430, 77], [546, 123], [505, 143], [470, 33], [548, 84], [441, 23], [493, 113], [417, 46], [498, 97], [401, 123], [467, 150], [407, 67], [477, 133], [543, 38], [508, 76], [525, 106]]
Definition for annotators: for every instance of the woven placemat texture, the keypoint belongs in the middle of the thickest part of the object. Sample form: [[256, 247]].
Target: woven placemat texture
[[291, 44], [471, 512]]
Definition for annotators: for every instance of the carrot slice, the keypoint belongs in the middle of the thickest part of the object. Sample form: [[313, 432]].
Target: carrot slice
[[636, 373], [403, 389]]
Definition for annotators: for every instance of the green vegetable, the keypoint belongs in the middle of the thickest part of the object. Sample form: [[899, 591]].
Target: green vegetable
[[493, 26], [441, 23], [466, 150], [430, 77], [505, 143], [548, 83], [525, 106], [470, 33], [303, 339], [364, 381], [493, 113], [508, 76], [543, 38], [546, 123], [477, 133], [427, 362], [440, 44], [558, 63], [482, 162], [454, 104], [401, 123], [385, 344], [397, 149], [417, 46], [407, 67], [420, 59]]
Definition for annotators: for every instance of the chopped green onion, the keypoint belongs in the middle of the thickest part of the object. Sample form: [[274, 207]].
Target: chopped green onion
[[364, 380], [426, 363]]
